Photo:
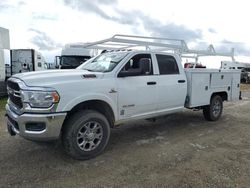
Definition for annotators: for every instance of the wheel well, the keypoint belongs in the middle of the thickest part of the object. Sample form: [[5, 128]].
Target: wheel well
[[223, 95], [98, 105]]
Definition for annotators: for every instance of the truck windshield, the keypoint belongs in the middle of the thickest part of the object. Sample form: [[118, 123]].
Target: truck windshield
[[104, 63], [72, 61]]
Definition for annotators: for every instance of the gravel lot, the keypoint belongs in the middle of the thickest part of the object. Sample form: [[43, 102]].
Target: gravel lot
[[180, 150]]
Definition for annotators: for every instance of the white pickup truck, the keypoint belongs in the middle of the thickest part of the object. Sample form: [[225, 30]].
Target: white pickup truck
[[80, 106]]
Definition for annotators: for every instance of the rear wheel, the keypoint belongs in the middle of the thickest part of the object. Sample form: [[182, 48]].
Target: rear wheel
[[213, 111], [86, 134]]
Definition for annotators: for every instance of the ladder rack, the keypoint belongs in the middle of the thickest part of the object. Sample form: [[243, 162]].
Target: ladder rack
[[128, 42]]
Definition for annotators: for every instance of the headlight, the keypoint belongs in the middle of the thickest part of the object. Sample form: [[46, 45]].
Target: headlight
[[40, 99]]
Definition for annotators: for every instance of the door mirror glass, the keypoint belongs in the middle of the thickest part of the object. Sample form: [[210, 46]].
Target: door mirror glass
[[145, 66]]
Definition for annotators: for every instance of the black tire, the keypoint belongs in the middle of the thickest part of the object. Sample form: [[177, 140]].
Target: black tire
[[78, 140], [213, 111]]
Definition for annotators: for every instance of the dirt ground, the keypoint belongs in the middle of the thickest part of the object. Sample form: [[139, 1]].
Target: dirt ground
[[245, 86], [180, 150]]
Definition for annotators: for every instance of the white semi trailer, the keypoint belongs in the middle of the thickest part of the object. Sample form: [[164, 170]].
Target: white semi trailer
[[4, 57]]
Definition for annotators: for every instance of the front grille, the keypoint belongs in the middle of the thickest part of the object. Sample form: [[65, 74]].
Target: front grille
[[14, 93], [16, 100]]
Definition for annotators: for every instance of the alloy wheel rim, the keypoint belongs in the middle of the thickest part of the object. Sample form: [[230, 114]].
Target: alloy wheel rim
[[89, 136], [216, 108]]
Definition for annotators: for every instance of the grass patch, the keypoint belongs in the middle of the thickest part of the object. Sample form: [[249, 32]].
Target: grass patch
[[3, 101]]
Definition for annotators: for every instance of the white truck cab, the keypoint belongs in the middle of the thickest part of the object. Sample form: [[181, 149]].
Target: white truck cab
[[73, 55], [80, 106]]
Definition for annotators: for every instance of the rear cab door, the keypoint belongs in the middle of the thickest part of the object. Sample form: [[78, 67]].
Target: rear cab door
[[171, 82]]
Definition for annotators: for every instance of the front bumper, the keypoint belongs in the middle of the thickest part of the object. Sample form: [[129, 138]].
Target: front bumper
[[52, 122]]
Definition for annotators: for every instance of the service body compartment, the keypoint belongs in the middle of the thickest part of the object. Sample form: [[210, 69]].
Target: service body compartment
[[236, 85], [202, 83], [220, 79]]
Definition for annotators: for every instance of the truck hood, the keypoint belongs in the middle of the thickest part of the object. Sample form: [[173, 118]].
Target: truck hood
[[52, 77]]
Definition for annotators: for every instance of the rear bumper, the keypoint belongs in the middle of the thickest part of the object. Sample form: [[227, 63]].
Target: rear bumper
[[22, 125]]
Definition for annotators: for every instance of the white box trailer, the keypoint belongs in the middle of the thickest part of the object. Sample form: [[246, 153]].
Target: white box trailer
[[26, 60], [2, 66], [4, 51], [4, 38], [2, 74]]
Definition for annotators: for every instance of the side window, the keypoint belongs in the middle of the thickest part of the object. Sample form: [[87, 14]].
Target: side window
[[140, 63], [39, 64], [167, 64]]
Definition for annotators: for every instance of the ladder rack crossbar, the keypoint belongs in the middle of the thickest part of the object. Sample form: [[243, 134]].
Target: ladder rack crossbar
[[122, 42]]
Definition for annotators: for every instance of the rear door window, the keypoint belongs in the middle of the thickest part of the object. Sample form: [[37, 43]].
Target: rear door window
[[167, 64]]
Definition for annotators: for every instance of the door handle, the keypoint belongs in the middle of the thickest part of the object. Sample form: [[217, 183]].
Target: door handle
[[181, 81], [151, 83]]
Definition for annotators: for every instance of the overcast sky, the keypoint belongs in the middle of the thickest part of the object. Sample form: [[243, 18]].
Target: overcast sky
[[47, 25]]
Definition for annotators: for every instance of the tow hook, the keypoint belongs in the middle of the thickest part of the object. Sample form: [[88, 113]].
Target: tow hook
[[9, 128]]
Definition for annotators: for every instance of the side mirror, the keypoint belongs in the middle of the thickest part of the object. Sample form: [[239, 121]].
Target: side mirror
[[145, 65]]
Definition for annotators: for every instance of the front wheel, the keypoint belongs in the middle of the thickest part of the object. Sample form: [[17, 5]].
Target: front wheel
[[85, 134], [213, 111]]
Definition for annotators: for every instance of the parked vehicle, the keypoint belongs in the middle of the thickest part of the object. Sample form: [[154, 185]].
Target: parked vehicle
[[232, 65], [245, 75], [4, 58], [244, 67], [81, 106], [73, 55]]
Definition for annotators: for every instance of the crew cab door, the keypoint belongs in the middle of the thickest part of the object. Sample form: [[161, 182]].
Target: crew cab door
[[171, 83], [136, 87]]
